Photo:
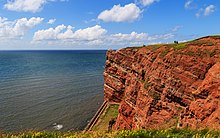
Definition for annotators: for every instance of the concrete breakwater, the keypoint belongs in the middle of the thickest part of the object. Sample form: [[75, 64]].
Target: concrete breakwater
[[96, 116]]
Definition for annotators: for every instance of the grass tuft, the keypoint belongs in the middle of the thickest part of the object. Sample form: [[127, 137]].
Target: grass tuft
[[147, 85]]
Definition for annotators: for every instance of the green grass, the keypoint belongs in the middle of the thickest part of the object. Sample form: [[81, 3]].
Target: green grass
[[155, 95], [164, 53], [146, 85], [211, 53], [175, 46], [163, 133], [181, 45], [202, 42], [200, 53], [111, 112], [215, 36]]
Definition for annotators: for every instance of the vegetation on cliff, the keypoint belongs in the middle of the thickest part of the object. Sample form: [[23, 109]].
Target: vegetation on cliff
[[168, 133], [103, 122]]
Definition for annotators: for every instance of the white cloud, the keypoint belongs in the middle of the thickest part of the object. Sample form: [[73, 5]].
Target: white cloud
[[49, 34], [118, 13], [161, 37], [26, 5], [209, 10], [17, 28], [3, 19], [148, 2], [134, 36], [200, 11], [96, 35], [51, 21], [176, 28], [188, 4], [63, 32], [129, 39], [90, 33], [192, 4], [206, 12]]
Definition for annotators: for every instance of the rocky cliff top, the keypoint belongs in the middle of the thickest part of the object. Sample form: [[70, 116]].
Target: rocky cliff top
[[166, 85]]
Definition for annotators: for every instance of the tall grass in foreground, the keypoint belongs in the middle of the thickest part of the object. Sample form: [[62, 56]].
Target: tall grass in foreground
[[165, 133]]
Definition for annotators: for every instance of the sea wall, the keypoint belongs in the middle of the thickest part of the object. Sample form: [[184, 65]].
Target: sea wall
[[160, 86]]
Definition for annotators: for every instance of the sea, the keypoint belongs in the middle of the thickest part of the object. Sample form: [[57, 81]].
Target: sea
[[50, 90]]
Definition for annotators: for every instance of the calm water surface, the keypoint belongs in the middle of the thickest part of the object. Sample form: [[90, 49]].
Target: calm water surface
[[41, 88]]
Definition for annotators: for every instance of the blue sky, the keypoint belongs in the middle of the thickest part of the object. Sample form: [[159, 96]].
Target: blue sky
[[102, 24]]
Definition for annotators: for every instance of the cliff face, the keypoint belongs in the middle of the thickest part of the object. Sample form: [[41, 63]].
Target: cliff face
[[166, 85]]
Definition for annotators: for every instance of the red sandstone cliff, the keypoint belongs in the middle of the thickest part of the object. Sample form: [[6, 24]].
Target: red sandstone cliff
[[166, 85]]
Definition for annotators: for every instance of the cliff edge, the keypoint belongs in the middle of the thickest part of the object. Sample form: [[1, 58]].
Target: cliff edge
[[160, 86]]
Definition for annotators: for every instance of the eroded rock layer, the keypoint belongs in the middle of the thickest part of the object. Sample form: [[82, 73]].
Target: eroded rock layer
[[161, 86]]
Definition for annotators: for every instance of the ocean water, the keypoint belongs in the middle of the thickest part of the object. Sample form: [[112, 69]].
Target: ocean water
[[41, 90]]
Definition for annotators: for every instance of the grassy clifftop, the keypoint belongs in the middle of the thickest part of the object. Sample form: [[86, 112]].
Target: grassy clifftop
[[169, 133]]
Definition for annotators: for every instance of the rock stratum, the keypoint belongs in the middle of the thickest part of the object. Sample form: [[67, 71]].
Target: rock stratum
[[160, 86]]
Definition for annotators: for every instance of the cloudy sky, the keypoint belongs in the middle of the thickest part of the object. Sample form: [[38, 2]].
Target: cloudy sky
[[104, 24]]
